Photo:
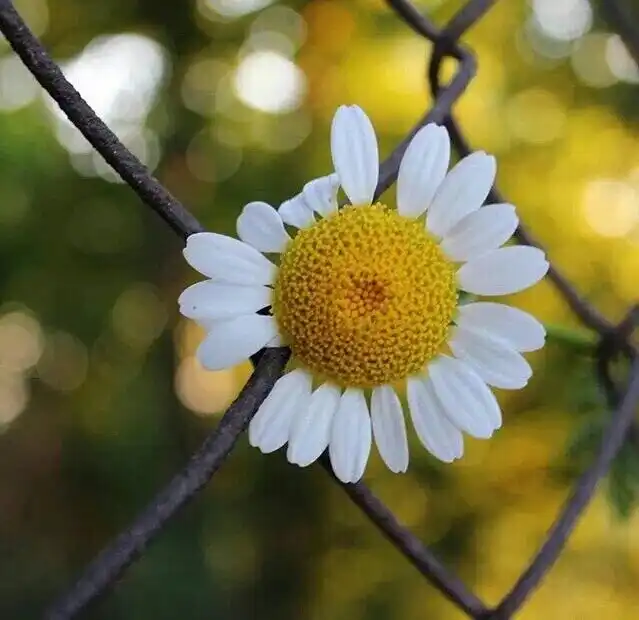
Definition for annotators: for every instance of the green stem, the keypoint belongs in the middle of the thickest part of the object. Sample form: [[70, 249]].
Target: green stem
[[579, 339]]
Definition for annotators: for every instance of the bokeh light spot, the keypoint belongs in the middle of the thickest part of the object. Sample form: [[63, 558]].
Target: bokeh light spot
[[35, 13], [285, 133], [18, 87], [200, 85], [270, 82], [119, 76], [564, 20], [282, 21], [14, 397], [21, 341], [139, 316], [536, 116], [231, 9], [611, 207], [621, 63], [64, 364], [205, 392], [212, 161], [590, 63]]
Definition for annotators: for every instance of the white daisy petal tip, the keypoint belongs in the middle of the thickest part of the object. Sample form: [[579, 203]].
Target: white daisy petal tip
[[320, 195], [492, 163], [271, 426], [464, 396], [228, 260], [492, 358], [355, 154], [351, 437], [422, 170], [522, 331], [278, 341], [261, 226], [459, 452], [480, 232], [435, 431], [504, 271], [212, 300], [311, 430], [463, 191], [194, 248], [294, 212], [233, 341], [389, 428]]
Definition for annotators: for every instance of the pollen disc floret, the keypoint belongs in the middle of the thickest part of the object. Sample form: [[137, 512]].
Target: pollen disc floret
[[365, 297]]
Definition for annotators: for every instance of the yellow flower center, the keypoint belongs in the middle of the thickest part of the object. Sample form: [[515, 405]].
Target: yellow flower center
[[365, 297]]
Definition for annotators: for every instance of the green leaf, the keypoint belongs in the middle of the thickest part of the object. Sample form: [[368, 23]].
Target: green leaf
[[623, 479]]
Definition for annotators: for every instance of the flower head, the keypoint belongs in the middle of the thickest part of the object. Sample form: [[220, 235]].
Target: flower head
[[367, 299]]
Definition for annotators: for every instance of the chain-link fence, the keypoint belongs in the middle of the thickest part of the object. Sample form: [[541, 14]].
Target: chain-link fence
[[615, 340]]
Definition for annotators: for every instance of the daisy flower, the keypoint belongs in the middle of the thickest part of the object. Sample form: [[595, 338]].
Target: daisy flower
[[367, 298]]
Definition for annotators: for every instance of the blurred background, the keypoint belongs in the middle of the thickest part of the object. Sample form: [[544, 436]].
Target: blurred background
[[102, 400]]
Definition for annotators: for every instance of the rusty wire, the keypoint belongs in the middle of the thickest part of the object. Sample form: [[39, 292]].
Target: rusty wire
[[107, 567]]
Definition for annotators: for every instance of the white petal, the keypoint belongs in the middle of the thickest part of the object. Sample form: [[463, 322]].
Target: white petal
[[261, 226], [522, 331], [230, 342], [481, 231], [219, 300], [205, 324], [463, 191], [466, 400], [227, 259], [439, 436], [320, 195], [355, 155], [294, 212], [389, 428], [311, 430], [278, 341], [351, 436], [491, 358], [503, 271], [422, 170], [270, 427]]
